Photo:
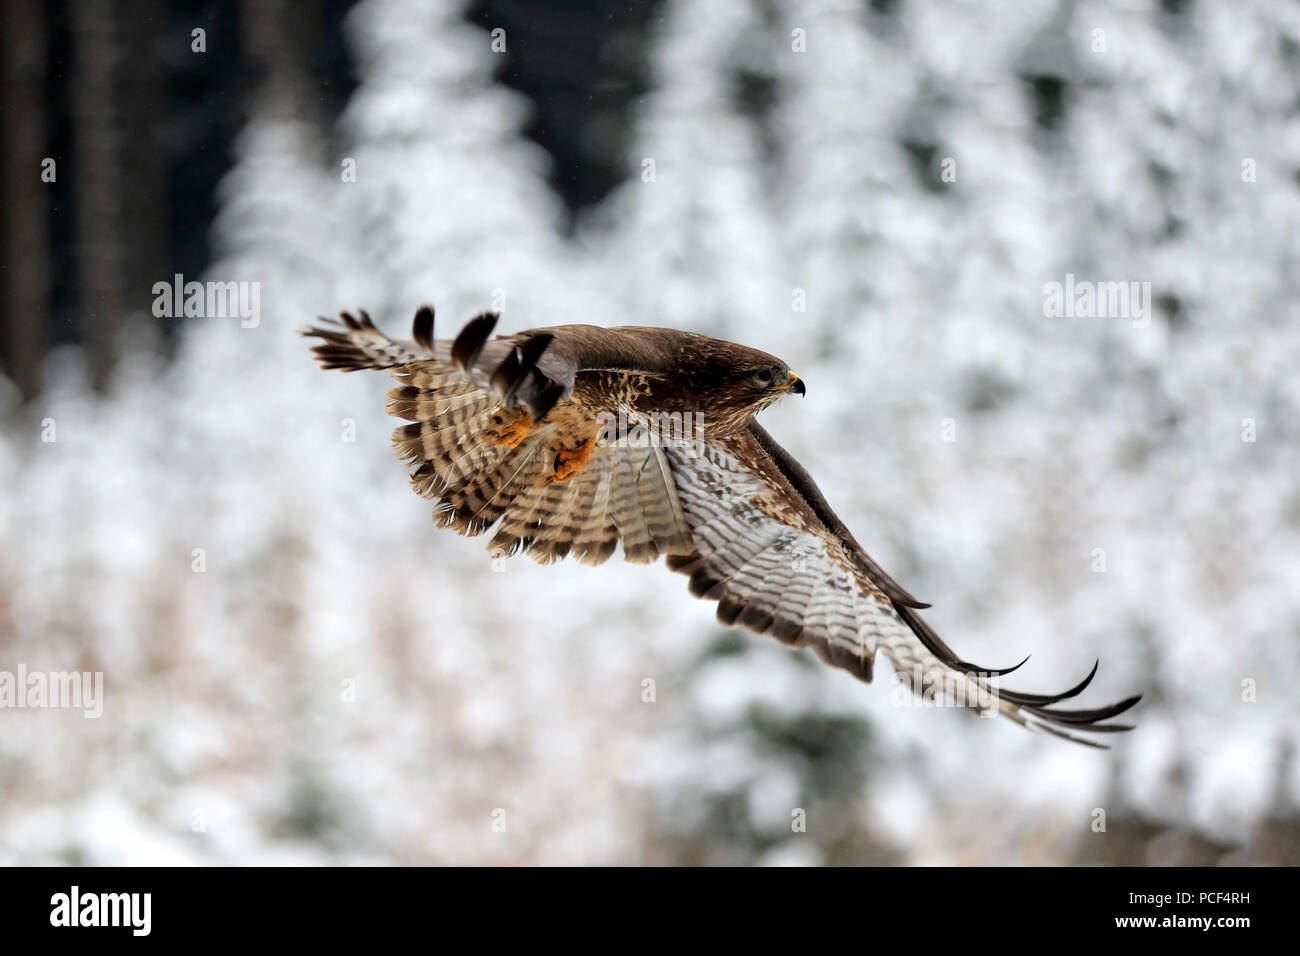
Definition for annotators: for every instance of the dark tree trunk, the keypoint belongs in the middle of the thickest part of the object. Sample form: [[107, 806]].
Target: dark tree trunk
[[120, 189], [24, 279], [100, 188]]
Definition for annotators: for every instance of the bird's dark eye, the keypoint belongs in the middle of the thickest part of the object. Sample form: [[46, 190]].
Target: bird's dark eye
[[763, 376]]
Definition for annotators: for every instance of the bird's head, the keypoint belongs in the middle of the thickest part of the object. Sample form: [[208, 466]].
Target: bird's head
[[742, 382], [762, 384]]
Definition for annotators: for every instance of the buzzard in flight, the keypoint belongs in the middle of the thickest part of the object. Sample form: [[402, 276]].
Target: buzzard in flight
[[576, 439]]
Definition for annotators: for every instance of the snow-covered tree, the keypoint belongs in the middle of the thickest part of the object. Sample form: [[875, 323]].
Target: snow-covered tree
[[689, 240]]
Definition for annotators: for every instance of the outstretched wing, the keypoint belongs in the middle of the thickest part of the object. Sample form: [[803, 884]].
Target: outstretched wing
[[486, 420], [516, 370], [778, 561]]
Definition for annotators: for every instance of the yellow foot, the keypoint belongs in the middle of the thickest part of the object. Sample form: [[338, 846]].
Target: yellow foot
[[568, 462], [515, 432]]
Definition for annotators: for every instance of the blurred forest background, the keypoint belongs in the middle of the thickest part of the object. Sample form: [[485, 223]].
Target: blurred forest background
[[298, 669]]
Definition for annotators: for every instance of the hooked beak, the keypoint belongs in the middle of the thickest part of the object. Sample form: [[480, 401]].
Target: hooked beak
[[796, 384]]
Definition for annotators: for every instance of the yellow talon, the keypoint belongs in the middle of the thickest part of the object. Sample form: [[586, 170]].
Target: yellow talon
[[516, 431], [569, 462]]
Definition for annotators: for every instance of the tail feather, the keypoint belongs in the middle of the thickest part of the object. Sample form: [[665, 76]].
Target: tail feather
[[477, 506], [595, 536]]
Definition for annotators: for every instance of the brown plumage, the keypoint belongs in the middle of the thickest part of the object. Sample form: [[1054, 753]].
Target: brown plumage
[[577, 439]]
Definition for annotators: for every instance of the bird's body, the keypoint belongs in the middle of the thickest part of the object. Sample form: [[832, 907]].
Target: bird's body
[[577, 439]]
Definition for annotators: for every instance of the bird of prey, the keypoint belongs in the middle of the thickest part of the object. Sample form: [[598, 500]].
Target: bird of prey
[[570, 440]]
